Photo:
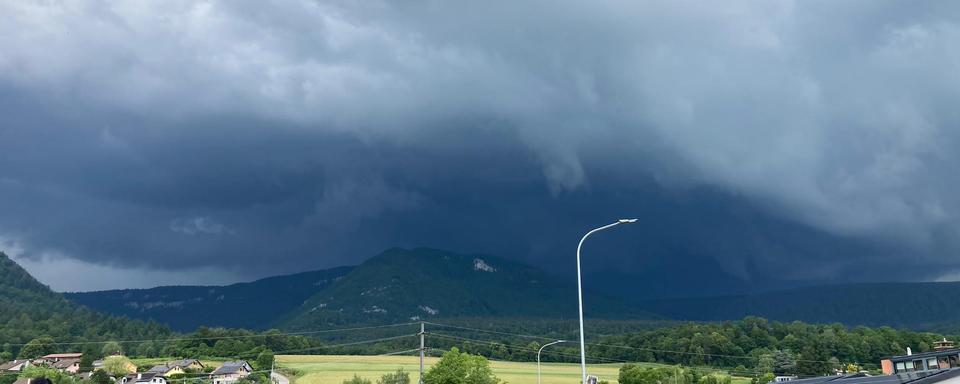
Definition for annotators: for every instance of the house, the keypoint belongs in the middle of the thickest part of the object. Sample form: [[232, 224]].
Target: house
[[130, 367], [55, 357], [166, 370], [40, 361], [189, 365], [142, 378], [944, 356], [14, 366], [230, 372], [67, 365], [179, 366], [943, 376]]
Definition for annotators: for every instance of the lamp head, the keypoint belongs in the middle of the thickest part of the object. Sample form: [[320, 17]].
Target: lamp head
[[626, 221]]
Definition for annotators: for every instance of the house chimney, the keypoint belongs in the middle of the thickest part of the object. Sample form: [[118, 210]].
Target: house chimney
[[909, 352]]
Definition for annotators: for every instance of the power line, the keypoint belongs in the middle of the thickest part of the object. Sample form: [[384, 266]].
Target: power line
[[222, 337], [618, 346], [442, 336], [608, 360], [349, 344], [494, 332]]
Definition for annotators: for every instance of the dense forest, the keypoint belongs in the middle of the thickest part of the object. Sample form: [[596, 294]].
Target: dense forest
[[186, 308], [751, 346], [35, 321], [767, 346], [851, 304], [29, 310]]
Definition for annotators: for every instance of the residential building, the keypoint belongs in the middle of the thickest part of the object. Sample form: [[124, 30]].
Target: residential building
[[943, 376], [166, 370], [41, 361], [55, 357], [230, 372], [129, 366], [142, 378], [189, 365], [179, 366], [922, 362], [67, 365], [14, 366]]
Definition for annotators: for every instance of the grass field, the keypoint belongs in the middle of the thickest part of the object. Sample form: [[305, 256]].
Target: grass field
[[334, 369]]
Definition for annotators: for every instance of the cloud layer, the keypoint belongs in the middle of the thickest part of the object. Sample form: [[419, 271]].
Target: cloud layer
[[306, 134]]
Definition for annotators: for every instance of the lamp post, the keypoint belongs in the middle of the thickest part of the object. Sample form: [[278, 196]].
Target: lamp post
[[538, 356], [583, 349]]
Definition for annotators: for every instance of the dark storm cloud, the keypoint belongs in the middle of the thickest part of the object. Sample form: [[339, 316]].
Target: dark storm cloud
[[804, 140]]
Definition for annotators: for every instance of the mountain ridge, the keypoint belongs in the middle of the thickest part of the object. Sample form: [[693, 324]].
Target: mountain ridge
[[29, 309], [424, 283], [186, 307], [892, 304]]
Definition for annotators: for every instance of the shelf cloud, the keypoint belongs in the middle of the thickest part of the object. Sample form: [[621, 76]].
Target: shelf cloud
[[814, 137]]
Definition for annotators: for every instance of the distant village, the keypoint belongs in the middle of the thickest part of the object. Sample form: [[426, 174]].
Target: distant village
[[69, 363]]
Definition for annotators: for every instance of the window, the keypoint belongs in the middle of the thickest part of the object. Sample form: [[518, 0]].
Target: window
[[932, 363], [918, 365], [902, 367]]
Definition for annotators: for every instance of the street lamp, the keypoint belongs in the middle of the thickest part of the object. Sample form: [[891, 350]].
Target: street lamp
[[583, 349], [538, 356]]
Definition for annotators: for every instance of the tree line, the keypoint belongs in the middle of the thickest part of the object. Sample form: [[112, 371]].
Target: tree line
[[752, 344]]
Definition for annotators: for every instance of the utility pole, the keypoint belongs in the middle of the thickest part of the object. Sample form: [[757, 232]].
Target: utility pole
[[422, 333]]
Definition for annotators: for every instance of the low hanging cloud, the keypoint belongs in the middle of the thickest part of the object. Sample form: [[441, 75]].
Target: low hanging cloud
[[199, 225], [836, 116]]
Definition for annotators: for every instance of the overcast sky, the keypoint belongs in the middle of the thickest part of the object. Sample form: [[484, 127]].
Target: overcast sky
[[187, 142]]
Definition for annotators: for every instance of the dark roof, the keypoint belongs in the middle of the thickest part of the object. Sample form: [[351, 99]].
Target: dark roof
[[231, 367], [185, 363], [65, 363], [11, 364], [144, 376], [922, 377], [162, 368], [824, 379], [923, 355]]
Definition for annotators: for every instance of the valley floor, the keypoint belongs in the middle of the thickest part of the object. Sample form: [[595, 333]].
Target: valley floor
[[334, 369]]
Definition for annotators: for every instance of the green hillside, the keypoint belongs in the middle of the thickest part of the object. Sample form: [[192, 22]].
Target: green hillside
[[184, 308], [29, 309], [423, 284], [919, 306]]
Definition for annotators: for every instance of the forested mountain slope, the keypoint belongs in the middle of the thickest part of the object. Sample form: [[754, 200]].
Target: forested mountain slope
[[422, 283], [252, 305], [920, 306], [29, 309]]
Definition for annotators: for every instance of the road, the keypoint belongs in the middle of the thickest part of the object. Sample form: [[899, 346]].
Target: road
[[279, 379]]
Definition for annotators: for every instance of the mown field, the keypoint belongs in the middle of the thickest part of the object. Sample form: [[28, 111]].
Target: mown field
[[336, 368]]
